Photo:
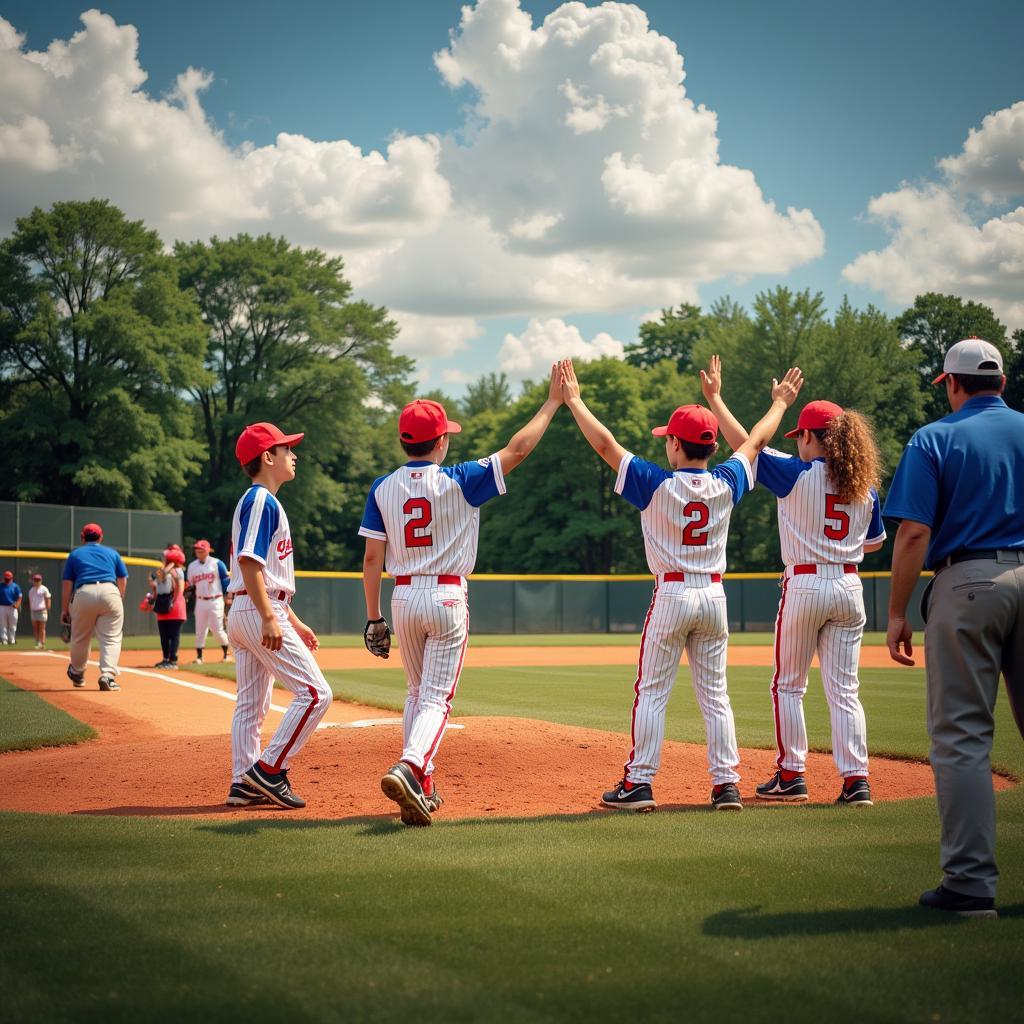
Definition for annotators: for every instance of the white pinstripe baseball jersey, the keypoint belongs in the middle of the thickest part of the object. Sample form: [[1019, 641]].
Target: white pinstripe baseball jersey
[[430, 515], [813, 526], [207, 577], [684, 514], [259, 530]]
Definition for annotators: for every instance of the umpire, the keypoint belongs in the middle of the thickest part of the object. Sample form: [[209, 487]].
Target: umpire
[[959, 493]]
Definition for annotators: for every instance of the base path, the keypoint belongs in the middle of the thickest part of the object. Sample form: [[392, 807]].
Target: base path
[[163, 749]]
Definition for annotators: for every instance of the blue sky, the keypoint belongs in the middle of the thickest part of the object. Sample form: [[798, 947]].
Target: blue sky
[[828, 106]]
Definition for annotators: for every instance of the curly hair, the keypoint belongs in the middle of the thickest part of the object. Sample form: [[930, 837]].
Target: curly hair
[[851, 455]]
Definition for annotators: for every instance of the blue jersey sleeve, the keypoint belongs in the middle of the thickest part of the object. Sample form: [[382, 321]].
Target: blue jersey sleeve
[[372, 525], [222, 575], [71, 567], [735, 472], [779, 472], [914, 493], [876, 530], [479, 481], [638, 480], [120, 569], [254, 537]]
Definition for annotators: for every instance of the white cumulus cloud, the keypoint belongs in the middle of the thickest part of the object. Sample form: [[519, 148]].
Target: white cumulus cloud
[[433, 335], [936, 241], [531, 353]]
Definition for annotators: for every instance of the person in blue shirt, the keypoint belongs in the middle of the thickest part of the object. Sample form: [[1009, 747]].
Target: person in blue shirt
[[959, 495], [10, 602], [92, 601]]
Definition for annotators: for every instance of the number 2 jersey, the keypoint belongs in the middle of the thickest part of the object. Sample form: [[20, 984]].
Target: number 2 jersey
[[814, 527], [430, 515], [684, 514]]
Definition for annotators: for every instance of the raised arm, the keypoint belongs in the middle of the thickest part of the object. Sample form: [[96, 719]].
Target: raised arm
[[711, 384], [783, 396], [597, 434], [525, 439]]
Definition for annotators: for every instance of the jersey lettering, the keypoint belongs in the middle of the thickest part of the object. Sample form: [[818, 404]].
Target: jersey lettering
[[695, 533], [837, 521], [416, 529]]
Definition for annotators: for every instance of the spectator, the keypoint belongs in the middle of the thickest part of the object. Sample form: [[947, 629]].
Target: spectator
[[169, 604], [10, 602], [39, 608], [92, 600]]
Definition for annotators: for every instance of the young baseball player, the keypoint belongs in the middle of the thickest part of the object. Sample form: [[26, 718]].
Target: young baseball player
[[208, 578], [39, 600], [684, 514], [423, 521], [270, 640], [828, 518]]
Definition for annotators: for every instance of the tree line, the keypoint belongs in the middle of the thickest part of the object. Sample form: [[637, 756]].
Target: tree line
[[127, 372]]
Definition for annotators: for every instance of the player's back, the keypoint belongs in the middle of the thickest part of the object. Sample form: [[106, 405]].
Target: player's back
[[815, 527], [684, 514], [430, 515]]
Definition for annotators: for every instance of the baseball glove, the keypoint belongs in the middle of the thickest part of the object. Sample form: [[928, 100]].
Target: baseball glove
[[377, 637], [65, 628]]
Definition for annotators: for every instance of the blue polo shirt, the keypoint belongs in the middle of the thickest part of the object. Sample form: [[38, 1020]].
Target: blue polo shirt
[[9, 593], [94, 563], [963, 476]]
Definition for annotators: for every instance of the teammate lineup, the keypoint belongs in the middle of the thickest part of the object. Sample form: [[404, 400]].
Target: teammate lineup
[[421, 525]]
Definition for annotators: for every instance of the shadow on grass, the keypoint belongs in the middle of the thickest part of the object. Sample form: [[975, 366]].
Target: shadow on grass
[[748, 923]]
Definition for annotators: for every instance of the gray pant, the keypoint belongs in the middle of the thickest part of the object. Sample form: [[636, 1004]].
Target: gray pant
[[97, 607], [975, 631]]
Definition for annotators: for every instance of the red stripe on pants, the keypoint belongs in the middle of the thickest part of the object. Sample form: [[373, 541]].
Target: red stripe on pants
[[298, 728], [775, 678], [449, 698], [636, 686]]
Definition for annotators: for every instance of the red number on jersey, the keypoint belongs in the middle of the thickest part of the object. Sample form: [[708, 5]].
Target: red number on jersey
[[695, 533], [837, 522], [415, 529]]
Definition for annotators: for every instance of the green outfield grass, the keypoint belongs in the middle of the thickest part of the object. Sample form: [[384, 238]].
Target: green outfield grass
[[27, 722], [802, 913], [152, 643]]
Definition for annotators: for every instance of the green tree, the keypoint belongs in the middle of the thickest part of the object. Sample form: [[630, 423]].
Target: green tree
[[289, 344], [932, 325], [97, 347], [490, 391], [1014, 367], [674, 338]]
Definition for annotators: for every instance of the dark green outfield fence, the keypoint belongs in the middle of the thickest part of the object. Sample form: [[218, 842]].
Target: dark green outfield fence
[[333, 603]]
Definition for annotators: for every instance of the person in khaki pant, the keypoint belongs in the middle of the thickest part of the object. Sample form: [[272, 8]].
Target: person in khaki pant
[[957, 493], [92, 601]]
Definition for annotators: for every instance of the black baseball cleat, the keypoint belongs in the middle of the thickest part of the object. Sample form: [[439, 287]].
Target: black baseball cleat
[[162, 664], [77, 678], [639, 797], [726, 798], [108, 683], [274, 786], [401, 785], [241, 794], [857, 794], [777, 788], [958, 903]]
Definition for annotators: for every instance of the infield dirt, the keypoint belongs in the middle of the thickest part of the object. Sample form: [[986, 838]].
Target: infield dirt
[[163, 749]]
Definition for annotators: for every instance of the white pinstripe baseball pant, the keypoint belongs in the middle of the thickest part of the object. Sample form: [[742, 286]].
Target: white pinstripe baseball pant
[[210, 619], [821, 612], [691, 616], [256, 669], [432, 624]]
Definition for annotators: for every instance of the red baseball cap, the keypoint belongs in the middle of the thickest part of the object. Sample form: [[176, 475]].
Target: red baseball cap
[[93, 529], [8, 575], [423, 420], [204, 544], [816, 416], [172, 553], [691, 423], [258, 438]]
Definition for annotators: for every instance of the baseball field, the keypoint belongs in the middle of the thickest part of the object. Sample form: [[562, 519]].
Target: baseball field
[[131, 893]]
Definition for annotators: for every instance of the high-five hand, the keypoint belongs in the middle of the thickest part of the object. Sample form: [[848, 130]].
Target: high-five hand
[[570, 385], [711, 379], [789, 387]]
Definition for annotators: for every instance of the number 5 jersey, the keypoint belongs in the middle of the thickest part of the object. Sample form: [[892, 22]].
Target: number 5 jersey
[[429, 515]]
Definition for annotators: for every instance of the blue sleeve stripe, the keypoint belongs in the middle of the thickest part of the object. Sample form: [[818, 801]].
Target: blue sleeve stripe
[[257, 524]]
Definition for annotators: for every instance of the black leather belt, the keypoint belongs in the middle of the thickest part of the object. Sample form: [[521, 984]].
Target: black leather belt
[[1003, 554]]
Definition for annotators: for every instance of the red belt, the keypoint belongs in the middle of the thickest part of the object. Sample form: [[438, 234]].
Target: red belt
[[811, 570], [405, 581], [276, 595], [213, 597], [680, 577]]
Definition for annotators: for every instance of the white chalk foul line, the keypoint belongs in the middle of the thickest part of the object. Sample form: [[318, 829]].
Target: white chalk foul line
[[362, 723]]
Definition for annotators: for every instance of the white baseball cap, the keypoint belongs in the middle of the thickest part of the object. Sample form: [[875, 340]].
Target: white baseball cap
[[973, 356]]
